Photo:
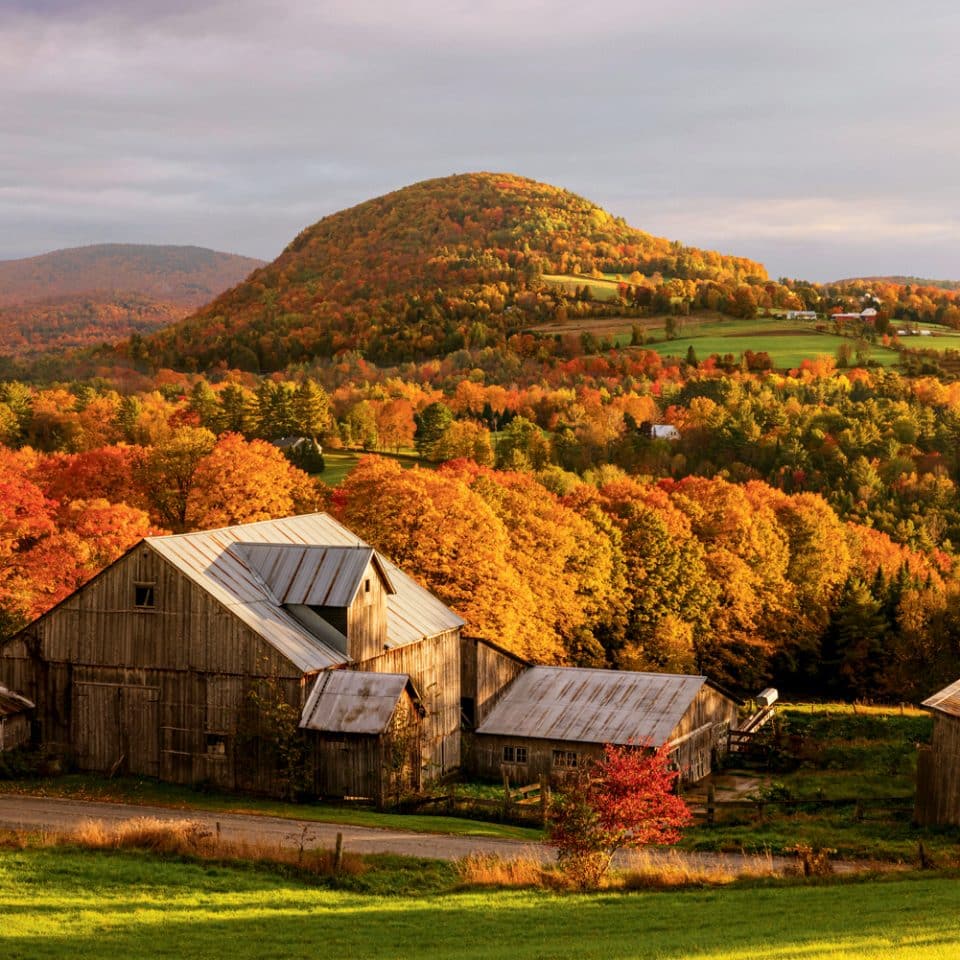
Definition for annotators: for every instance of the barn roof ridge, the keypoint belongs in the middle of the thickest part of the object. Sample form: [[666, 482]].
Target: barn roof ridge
[[946, 700], [206, 557]]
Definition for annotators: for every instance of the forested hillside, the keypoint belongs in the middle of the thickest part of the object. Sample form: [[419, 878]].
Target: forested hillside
[[429, 269], [102, 293]]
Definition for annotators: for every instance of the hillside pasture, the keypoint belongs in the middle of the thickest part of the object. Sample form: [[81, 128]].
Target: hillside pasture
[[59, 903]]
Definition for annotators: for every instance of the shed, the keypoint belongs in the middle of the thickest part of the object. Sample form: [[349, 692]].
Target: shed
[[553, 719], [364, 734], [938, 765], [15, 714]]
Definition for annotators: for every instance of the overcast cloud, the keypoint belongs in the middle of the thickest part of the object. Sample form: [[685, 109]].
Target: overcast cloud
[[818, 137]]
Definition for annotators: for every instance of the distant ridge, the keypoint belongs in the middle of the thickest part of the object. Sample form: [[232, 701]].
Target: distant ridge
[[81, 296], [900, 282]]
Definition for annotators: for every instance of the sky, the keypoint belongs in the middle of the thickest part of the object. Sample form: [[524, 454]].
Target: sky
[[821, 138]]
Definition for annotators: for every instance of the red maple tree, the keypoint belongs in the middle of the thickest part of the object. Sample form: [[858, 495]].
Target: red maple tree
[[625, 799]]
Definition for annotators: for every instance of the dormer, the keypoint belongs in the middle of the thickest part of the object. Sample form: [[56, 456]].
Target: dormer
[[338, 593]]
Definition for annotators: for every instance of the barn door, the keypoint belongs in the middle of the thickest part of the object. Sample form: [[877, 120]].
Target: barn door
[[96, 725], [140, 729], [116, 727]]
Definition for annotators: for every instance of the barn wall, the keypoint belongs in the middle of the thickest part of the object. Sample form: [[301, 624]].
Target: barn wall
[[367, 618], [434, 667], [938, 775], [485, 673], [160, 691], [702, 733], [14, 731], [487, 756]]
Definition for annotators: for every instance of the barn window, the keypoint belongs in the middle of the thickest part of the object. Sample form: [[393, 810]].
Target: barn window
[[366, 585], [144, 596], [564, 759], [216, 745], [468, 713], [512, 754]]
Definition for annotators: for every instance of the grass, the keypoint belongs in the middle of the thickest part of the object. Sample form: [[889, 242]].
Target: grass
[[156, 793], [339, 464], [844, 752], [787, 345], [106, 905]]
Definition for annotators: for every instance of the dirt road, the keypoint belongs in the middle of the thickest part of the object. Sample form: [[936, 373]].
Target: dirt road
[[36, 813]]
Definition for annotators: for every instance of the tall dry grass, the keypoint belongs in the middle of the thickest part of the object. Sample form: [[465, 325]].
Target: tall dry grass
[[190, 839]]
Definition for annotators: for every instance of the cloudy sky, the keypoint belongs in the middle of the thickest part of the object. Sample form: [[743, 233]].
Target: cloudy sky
[[821, 137]]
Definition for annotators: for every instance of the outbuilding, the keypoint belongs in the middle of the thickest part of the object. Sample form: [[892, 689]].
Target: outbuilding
[[15, 714], [938, 765], [551, 720]]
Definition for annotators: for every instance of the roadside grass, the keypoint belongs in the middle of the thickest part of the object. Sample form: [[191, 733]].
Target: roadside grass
[[157, 793], [107, 905]]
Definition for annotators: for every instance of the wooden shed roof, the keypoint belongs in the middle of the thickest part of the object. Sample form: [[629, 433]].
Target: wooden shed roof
[[593, 706], [12, 703], [351, 701], [946, 700], [206, 557]]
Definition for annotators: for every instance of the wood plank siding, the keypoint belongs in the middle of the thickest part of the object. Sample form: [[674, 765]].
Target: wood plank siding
[[938, 775]]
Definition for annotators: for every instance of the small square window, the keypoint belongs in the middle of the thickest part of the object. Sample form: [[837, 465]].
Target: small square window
[[144, 596], [512, 754], [216, 745], [508, 754], [564, 759]]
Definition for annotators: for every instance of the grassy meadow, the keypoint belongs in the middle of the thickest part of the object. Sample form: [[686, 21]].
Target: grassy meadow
[[107, 905]]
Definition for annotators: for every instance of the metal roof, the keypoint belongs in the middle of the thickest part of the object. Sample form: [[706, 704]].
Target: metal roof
[[946, 700], [350, 701], [312, 576], [12, 703], [207, 558], [593, 706]]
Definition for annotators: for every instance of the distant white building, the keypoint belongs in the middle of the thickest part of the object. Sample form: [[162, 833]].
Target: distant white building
[[801, 315], [664, 431]]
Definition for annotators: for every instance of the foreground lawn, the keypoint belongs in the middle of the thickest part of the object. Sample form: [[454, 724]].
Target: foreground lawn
[[74, 904]]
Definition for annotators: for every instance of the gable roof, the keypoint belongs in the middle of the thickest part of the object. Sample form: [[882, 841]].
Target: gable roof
[[207, 557], [317, 576], [593, 706], [350, 701], [946, 700]]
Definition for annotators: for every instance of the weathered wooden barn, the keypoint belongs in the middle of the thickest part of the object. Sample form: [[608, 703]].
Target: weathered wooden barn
[[15, 715], [551, 720], [938, 765], [289, 656], [175, 661]]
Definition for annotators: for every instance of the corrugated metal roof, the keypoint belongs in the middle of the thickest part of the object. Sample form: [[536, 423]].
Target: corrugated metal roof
[[946, 700], [311, 575], [593, 706], [205, 556], [12, 703], [349, 701]]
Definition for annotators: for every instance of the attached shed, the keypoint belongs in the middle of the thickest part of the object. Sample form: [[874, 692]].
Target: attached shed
[[553, 719], [363, 734], [938, 765], [15, 715]]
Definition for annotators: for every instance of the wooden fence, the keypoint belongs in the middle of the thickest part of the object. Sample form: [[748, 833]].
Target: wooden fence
[[757, 809]]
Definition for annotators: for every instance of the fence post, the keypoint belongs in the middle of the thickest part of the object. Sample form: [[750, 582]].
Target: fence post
[[711, 805], [506, 794], [338, 854], [544, 798]]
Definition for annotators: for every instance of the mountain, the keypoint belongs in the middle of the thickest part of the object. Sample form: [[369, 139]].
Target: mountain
[[87, 295], [426, 270]]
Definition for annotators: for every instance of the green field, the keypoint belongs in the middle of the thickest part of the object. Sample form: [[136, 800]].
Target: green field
[[339, 463], [787, 344], [117, 905], [606, 289]]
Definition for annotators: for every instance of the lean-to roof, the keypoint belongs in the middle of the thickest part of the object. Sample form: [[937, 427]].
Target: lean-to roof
[[353, 701]]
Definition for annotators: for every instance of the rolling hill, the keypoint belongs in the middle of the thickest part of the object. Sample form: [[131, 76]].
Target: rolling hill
[[423, 271], [86, 295]]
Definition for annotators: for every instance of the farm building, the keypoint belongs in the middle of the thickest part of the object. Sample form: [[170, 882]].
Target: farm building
[[552, 719], [288, 656], [15, 713], [938, 765], [176, 660]]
